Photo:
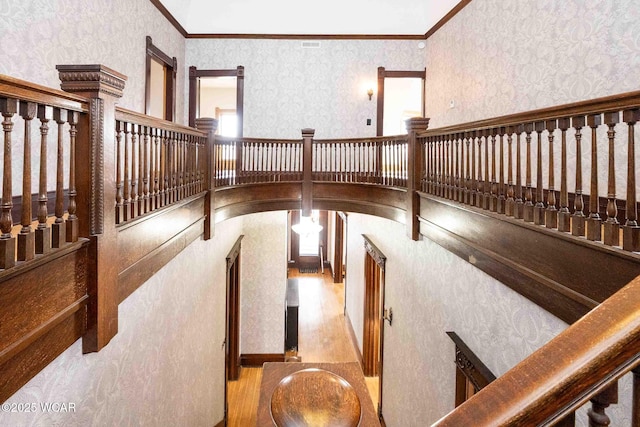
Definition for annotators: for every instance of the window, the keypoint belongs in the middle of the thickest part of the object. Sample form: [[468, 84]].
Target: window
[[160, 88]]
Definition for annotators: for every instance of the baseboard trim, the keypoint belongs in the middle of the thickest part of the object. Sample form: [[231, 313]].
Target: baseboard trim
[[260, 358], [354, 340]]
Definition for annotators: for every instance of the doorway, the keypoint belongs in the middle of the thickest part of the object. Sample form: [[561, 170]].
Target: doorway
[[218, 94], [232, 336], [308, 251], [373, 334], [400, 97]]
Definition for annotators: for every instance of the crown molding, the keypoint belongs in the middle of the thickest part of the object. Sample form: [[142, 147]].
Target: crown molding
[[170, 17], [447, 18]]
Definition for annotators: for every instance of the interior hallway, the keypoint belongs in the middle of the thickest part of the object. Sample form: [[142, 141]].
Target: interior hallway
[[323, 336]]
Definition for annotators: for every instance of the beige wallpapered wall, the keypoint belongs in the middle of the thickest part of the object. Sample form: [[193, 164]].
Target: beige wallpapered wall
[[288, 88]]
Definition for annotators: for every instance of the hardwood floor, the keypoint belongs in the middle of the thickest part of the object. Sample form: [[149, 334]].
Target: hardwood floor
[[322, 337]]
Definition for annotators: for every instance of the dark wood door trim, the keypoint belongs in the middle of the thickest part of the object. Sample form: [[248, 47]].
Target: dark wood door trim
[[195, 74], [294, 241], [232, 324], [382, 74], [338, 254]]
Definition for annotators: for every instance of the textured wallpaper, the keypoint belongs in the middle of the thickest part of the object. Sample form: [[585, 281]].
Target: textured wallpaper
[[264, 282], [433, 291], [288, 88], [40, 34], [499, 57], [166, 364]]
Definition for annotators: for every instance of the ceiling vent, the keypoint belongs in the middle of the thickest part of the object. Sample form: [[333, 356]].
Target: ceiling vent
[[310, 45]]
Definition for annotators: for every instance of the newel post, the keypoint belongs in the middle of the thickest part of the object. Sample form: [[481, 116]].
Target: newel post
[[307, 185], [209, 126], [415, 172], [96, 182]]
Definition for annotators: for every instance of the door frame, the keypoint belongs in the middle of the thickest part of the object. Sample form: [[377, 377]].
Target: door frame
[[386, 74], [232, 320], [375, 256], [296, 260], [194, 92]]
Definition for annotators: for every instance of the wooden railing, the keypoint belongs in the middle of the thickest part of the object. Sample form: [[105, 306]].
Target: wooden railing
[[520, 166], [381, 160], [583, 362], [45, 144], [158, 163]]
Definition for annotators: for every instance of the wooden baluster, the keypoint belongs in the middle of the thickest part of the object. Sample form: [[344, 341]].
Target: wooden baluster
[[510, 204], [479, 184], [452, 167], [43, 232], [611, 226], [174, 166], [564, 216], [635, 398], [538, 208], [502, 200], [461, 179], [157, 148], [181, 177], [8, 107], [447, 168], [119, 195], [456, 169], [493, 185], [473, 194], [146, 169], [442, 170], [133, 206], [162, 179], [631, 230], [578, 218], [466, 199], [58, 228], [594, 222], [26, 238], [599, 403], [486, 196], [519, 209], [126, 182], [551, 214], [72, 219], [528, 194], [58, 237], [151, 170]]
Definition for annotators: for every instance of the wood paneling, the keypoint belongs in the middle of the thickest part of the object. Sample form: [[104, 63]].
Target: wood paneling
[[499, 246]]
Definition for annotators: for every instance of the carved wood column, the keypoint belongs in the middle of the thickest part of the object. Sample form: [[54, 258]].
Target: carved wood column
[[209, 126], [306, 204], [415, 170], [96, 177]]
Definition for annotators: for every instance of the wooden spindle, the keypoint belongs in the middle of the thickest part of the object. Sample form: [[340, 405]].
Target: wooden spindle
[[473, 199], [58, 228], [8, 107], [528, 207], [456, 169], [72, 219], [467, 175], [551, 213], [578, 218], [493, 185], [157, 144], [501, 200], [447, 167], [43, 232], [162, 179], [119, 184], [635, 398], [594, 222], [611, 226], [479, 183], [519, 209], [631, 230], [461, 169], [142, 142], [135, 138], [146, 205], [126, 180], [599, 403], [26, 237], [510, 204], [486, 196], [564, 216], [538, 208]]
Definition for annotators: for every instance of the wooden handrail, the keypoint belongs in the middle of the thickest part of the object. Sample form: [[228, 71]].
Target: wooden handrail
[[627, 100], [30, 92], [564, 372], [144, 120]]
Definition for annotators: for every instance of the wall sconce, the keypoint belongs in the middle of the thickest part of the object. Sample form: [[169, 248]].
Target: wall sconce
[[387, 315], [370, 93]]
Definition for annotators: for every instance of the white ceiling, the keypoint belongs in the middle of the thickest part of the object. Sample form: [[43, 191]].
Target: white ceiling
[[300, 17]]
